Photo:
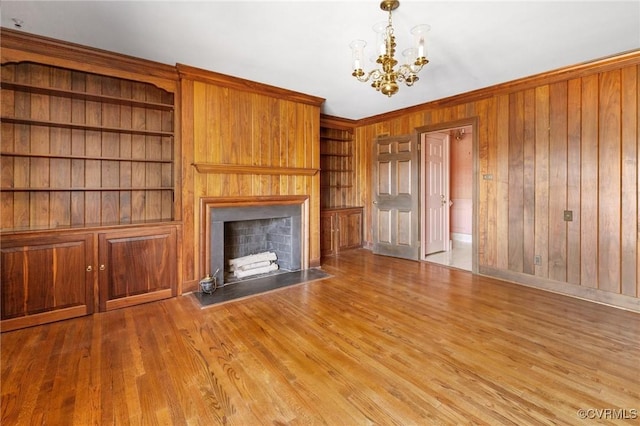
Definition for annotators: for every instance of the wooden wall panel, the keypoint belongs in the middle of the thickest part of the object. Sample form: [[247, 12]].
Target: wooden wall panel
[[39, 171], [22, 166], [60, 145], [502, 183], [557, 181], [541, 232], [487, 154], [78, 148], [589, 209], [528, 184], [7, 141], [516, 182], [629, 213], [224, 125], [609, 190], [566, 140], [574, 114]]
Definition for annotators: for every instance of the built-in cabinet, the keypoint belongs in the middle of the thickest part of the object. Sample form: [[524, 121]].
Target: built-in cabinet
[[45, 278], [88, 181], [136, 266], [340, 229], [48, 276]]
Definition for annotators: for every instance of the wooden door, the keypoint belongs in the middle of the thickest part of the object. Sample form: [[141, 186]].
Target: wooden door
[[436, 187], [395, 213], [137, 266]]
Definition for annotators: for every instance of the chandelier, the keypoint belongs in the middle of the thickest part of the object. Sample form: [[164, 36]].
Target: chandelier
[[385, 80]]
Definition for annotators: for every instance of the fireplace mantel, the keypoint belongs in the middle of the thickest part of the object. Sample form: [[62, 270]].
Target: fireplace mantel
[[240, 169]]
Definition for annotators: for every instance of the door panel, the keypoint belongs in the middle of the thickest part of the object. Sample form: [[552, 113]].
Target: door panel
[[137, 266], [384, 178], [383, 226], [327, 234], [350, 225], [405, 223], [45, 278], [396, 197]]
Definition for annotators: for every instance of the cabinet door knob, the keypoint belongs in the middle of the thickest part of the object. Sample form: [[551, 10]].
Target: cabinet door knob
[[102, 268], [89, 268]]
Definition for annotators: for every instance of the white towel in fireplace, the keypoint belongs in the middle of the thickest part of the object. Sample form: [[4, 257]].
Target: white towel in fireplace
[[255, 271], [252, 258], [253, 264]]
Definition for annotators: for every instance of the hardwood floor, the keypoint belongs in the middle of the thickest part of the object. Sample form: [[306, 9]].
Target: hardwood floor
[[383, 341]]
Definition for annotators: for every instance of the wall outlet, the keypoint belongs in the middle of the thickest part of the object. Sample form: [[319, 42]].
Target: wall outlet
[[568, 215], [537, 260]]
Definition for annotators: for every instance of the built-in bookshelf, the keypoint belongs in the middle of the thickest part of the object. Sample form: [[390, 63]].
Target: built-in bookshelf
[[82, 149], [336, 167]]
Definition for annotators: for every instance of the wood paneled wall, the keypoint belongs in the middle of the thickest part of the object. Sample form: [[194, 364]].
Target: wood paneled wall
[[242, 138], [560, 141]]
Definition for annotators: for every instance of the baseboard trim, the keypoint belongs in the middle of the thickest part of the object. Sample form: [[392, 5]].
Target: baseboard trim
[[586, 293]]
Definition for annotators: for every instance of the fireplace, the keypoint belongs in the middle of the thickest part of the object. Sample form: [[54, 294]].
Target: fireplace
[[235, 227]]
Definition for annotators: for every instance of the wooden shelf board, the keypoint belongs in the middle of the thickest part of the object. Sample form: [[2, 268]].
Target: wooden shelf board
[[334, 139], [84, 157], [77, 126], [85, 189], [85, 96]]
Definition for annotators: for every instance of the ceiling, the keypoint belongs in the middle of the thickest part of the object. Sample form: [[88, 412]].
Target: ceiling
[[304, 45]]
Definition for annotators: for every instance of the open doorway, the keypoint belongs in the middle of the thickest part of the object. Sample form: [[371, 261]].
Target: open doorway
[[447, 194]]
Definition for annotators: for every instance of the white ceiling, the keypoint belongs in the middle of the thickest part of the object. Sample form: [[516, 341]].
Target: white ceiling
[[304, 45]]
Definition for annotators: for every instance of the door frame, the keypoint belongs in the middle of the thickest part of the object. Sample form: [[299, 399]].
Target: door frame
[[448, 125]]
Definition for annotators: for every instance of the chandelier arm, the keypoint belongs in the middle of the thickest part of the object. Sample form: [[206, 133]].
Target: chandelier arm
[[375, 75], [407, 70]]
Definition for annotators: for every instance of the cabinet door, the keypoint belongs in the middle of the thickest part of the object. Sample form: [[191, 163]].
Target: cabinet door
[[350, 225], [327, 233], [137, 266], [45, 278]]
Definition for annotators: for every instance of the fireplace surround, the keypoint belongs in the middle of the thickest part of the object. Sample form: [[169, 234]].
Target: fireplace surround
[[221, 216]]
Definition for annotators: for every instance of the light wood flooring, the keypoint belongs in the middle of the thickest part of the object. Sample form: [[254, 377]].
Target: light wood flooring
[[384, 341]]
